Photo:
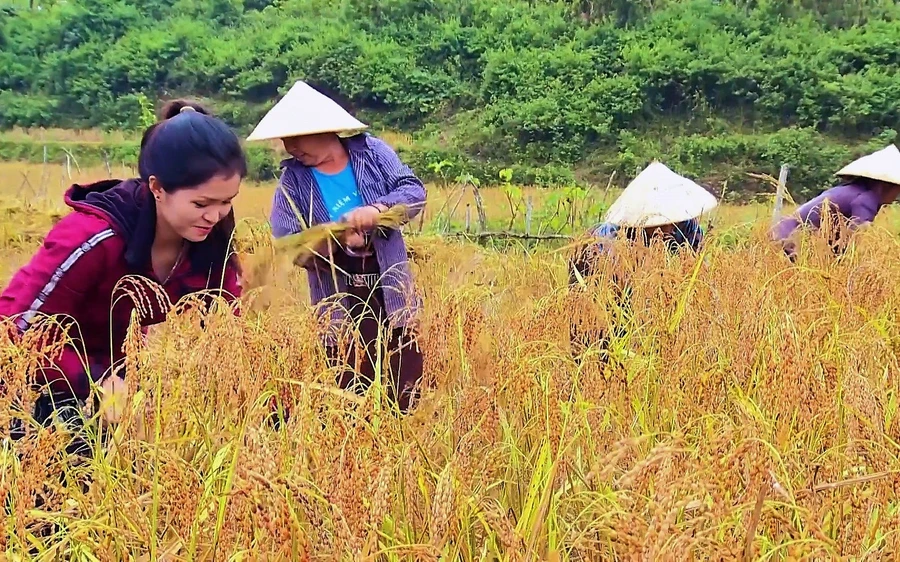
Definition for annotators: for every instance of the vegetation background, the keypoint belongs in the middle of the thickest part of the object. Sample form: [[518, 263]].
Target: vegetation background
[[748, 409], [559, 91]]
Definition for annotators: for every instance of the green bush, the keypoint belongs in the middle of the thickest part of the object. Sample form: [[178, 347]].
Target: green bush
[[20, 110], [262, 164], [544, 86]]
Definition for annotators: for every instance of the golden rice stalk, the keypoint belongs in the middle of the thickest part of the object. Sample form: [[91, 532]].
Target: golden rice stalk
[[304, 245]]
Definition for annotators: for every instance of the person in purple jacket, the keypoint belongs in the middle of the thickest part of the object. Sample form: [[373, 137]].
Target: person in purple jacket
[[353, 177], [869, 183]]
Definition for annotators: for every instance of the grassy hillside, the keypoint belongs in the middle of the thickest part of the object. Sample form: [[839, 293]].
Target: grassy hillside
[[717, 88]]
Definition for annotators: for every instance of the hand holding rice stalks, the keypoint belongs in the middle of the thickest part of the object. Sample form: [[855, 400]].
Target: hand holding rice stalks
[[312, 241]]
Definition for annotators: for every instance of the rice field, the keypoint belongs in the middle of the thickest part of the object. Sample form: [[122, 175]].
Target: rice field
[[748, 411]]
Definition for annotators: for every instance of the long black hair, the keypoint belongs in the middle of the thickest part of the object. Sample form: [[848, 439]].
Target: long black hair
[[186, 148]]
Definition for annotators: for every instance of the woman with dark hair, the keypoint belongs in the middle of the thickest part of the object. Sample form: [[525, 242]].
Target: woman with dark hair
[[336, 173], [172, 225], [870, 183]]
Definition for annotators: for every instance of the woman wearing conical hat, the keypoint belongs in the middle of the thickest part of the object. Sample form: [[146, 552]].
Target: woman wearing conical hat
[[657, 205], [870, 183], [338, 173]]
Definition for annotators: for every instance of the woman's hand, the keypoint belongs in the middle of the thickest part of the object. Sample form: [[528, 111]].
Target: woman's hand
[[364, 218], [113, 399], [354, 239], [323, 253]]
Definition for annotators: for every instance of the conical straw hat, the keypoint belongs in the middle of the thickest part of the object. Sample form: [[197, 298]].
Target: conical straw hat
[[659, 196], [883, 165], [304, 111]]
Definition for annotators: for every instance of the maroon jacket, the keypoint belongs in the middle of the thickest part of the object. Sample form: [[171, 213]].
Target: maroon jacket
[[76, 271]]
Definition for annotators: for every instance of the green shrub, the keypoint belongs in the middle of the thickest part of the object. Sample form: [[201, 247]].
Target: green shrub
[[544, 86]]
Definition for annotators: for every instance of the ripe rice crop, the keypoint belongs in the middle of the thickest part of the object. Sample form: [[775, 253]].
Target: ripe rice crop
[[748, 408]]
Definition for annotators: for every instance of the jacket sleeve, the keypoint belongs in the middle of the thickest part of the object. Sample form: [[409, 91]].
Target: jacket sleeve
[[231, 283], [695, 236], [863, 209], [404, 188], [285, 222], [283, 218], [586, 255], [58, 282]]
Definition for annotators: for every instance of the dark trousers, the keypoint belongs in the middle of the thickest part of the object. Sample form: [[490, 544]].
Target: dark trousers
[[582, 337], [373, 346], [65, 408], [69, 411], [397, 353]]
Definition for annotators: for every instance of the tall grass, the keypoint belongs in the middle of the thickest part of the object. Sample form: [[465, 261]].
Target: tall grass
[[760, 420]]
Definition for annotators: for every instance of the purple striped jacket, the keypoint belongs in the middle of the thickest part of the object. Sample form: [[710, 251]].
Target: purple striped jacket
[[382, 178]]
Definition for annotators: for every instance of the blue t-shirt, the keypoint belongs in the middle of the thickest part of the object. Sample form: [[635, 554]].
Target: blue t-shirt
[[339, 191]]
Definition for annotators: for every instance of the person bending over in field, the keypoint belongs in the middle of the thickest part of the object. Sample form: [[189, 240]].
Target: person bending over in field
[[336, 173], [172, 225], [657, 204], [870, 183]]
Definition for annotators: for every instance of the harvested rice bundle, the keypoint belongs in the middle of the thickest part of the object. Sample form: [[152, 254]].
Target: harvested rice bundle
[[311, 241]]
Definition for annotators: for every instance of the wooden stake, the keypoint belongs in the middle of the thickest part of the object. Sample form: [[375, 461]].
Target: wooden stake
[[779, 193], [529, 207], [462, 193], [479, 205], [422, 219], [45, 176]]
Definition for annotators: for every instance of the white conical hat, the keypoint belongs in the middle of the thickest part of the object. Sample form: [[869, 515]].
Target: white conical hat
[[304, 111], [659, 196], [883, 165]]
